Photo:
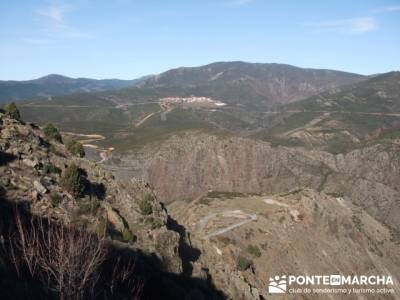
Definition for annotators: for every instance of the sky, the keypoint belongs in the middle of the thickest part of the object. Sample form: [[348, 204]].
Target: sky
[[127, 39]]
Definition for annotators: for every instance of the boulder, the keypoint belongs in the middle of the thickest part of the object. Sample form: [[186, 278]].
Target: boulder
[[167, 247], [39, 187], [30, 162]]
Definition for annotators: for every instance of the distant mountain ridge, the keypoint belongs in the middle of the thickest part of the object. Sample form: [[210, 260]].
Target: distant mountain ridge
[[253, 84], [250, 85], [230, 71], [57, 85]]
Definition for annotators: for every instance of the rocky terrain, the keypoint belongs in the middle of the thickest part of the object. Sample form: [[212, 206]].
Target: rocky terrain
[[34, 170], [200, 162], [26, 177], [289, 233], [303, 210]]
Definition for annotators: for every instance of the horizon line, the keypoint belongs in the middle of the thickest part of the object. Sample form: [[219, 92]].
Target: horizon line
[[193, 66]]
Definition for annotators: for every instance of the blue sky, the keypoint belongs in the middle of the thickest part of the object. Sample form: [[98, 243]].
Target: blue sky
[[130, 38]]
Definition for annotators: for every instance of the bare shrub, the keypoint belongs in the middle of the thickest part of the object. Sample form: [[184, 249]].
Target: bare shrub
[[67, 260], [122, 278]]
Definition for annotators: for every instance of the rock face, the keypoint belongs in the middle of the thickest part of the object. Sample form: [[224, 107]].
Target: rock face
[[189, 165]]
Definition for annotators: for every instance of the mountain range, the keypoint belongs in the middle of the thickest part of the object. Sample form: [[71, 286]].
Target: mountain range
[[56, 85], [272, 102], [237, 83]]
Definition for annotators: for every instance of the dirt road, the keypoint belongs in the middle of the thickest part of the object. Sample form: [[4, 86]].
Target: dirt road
[[229, 213]]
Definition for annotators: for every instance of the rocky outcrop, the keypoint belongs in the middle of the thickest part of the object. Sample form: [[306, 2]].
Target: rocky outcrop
[[189, 165], [31, 168], [113, 217], [166, 245]]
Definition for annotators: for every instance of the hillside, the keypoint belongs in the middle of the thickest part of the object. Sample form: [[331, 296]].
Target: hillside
[[365, 113], [289, 233], [338, 120], [71, 231], [252, 84], [246, 89], [379, 94], [56, 85]]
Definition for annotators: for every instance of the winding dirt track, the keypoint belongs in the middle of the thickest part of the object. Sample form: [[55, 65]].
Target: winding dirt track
[[163, 115], [87, 139], [145, 118], [309, 124], [229, 213], [239, 214]]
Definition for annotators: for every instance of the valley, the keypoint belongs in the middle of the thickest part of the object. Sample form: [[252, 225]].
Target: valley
[[262, 168]]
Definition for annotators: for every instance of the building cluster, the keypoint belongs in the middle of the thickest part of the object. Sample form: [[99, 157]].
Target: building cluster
[[191, 100]]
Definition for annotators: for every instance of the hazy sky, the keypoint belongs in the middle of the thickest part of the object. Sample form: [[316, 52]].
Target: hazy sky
[[130, 38]]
